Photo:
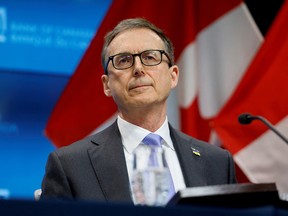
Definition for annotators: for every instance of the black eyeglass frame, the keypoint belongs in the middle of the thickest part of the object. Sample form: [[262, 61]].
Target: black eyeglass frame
[[110, 58]]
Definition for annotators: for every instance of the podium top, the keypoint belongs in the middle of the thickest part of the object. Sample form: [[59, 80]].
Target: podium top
[[231, 195]]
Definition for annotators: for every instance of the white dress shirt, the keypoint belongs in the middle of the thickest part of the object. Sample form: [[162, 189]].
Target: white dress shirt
[[132, 140]]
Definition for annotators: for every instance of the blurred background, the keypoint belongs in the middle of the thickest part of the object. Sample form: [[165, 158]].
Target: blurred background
[[41, 44]]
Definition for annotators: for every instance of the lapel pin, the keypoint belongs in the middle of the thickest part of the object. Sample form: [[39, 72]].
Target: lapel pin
[[196, 152]]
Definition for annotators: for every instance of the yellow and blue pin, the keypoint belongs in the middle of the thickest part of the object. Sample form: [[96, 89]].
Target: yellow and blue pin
[[196, 152]]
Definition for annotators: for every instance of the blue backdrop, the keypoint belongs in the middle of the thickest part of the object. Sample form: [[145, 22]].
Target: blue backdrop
[[41, 44]]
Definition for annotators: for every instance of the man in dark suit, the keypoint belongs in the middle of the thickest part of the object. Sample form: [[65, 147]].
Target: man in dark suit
[[138, 61]]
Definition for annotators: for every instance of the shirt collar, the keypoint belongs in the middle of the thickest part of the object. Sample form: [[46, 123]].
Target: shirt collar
[[132, 135]]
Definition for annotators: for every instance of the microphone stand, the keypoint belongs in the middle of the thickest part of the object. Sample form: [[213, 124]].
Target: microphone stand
[[269, 125], [246, 118]]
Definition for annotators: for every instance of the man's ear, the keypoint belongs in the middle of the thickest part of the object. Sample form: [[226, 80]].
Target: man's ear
[[174, 71], [105, 82]]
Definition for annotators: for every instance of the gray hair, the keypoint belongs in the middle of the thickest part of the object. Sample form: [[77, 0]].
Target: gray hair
[[132, 24]]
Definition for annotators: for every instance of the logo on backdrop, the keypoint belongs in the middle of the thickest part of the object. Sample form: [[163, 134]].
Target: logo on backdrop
[[3, 24]]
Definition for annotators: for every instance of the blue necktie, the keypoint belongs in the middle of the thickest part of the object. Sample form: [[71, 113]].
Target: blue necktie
[[154, 141]]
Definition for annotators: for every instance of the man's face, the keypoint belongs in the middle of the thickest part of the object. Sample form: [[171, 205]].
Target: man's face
[[139, 86]]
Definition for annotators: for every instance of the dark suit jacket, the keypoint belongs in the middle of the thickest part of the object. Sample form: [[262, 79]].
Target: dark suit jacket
[[95, 169]]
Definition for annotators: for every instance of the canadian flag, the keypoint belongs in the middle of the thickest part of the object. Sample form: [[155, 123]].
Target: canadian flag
[[263, 91], [215, 42]]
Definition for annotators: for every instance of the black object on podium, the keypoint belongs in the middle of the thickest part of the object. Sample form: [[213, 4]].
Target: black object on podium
[[231, 195]]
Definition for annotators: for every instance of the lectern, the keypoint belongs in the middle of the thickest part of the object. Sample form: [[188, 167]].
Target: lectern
[[232, 195]]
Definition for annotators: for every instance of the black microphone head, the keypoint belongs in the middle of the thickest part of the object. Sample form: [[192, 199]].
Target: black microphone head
[[245, 118]]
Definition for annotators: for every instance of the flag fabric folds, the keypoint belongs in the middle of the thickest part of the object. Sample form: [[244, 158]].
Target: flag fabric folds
[[263, 91], [212, 66]]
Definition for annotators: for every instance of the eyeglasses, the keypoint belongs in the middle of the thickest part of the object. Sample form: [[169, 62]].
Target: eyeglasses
[[124, 61]]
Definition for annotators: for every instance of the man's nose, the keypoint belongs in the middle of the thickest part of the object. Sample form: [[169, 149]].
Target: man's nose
[[138, 66]]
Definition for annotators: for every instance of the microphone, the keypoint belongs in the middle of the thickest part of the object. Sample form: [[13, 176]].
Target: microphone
[[247, 118]]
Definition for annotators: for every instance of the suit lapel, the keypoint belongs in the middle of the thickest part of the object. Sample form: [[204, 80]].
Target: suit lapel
[[108, 160], [190, 158]]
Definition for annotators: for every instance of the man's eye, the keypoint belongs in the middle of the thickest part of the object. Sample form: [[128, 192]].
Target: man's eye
[[123, 60], [149, 57]]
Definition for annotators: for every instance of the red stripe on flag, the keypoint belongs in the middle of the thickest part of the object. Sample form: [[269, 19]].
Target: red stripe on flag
[[193, 124]]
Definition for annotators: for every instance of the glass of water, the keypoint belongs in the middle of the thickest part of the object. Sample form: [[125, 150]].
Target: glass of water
[[150, 184]]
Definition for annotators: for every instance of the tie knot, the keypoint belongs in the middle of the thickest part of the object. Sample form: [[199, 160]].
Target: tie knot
[[152, 140]]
